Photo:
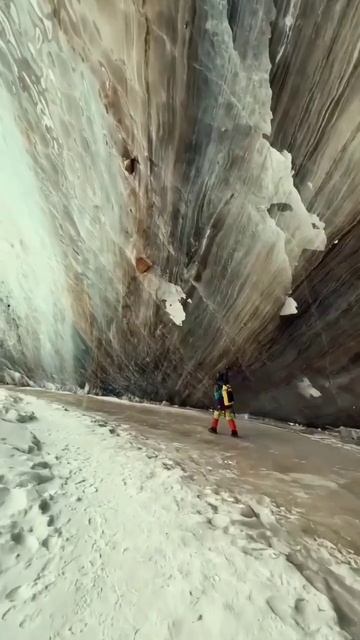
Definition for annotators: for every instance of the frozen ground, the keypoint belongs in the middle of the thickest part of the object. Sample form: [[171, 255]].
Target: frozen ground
[[317, 479], [105, 537]]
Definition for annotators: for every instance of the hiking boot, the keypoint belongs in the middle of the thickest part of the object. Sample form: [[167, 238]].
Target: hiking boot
[[234, 434], [212, 430]]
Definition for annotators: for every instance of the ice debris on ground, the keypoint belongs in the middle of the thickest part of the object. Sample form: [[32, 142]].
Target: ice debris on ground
[[102, 537], [60, 388], [350, 435], [9, 376], [12, 410], [18, 379]]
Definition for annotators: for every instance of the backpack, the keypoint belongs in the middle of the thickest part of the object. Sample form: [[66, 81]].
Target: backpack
[[228, 395], [218, 395]]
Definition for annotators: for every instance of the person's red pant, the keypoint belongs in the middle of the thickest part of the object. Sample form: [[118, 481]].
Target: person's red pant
[[229, 416]]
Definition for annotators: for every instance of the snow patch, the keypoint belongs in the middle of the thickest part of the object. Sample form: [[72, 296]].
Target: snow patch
[[312, 480], [307, 389], [289, 308], [289, 20], [167, 292], [302, 230], [11, 409]]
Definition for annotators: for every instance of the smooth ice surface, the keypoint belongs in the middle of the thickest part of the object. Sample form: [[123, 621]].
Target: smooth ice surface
[[36, 319]]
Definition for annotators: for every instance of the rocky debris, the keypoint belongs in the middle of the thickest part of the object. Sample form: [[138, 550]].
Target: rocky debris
[[143, 265]]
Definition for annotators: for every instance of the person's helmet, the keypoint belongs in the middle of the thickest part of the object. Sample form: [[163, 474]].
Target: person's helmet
[[222, 377]]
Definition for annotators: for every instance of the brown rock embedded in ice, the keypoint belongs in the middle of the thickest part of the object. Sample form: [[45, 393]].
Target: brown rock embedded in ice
[[143, 264]]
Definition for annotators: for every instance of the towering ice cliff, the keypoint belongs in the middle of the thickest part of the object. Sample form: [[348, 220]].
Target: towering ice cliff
[[179, 192]]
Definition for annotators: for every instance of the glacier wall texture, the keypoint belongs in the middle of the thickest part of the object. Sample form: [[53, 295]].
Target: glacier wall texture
[[179, 192]]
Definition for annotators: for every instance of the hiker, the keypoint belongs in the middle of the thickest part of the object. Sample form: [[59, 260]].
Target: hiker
[[224, 404]]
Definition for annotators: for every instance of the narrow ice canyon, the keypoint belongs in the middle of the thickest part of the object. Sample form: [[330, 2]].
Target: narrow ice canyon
[[178, 192]]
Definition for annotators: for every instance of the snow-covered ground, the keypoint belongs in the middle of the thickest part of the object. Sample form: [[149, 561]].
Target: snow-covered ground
[[103, 538]]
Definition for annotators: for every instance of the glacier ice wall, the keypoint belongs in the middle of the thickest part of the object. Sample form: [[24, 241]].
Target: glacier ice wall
[[35, 318], [315, 81], [158, 205]]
